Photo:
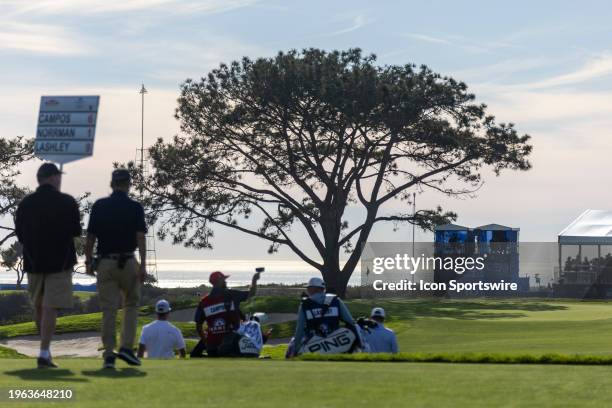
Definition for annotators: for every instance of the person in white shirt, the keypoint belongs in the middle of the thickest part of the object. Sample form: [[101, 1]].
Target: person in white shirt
[[379, 338], [161, 338]]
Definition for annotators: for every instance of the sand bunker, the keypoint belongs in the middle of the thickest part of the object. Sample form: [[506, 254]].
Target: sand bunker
[[83, 344], [86, 344]]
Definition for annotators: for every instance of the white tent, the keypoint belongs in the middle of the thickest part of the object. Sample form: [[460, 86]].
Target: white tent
[[592, 227]]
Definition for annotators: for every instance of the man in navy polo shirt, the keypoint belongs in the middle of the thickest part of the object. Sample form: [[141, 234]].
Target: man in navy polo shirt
[[118, 224]]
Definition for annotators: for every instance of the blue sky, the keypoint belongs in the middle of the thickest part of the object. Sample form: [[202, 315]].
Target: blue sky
[[546, 66]]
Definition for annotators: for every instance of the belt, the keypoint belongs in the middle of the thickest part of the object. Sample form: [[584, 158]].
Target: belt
[[117, 256]]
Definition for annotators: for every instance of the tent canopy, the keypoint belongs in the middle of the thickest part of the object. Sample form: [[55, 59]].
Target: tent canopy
[[592, 227], [496, 227], [450, 227]]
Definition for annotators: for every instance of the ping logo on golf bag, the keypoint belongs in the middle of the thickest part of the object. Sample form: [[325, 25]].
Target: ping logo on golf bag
[[339, 341]]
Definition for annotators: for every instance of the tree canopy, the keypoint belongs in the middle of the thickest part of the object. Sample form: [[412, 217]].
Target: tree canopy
[[296, 139], [13, 152]]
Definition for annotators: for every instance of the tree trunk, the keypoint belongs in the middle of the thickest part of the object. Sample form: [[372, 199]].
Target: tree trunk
[[335, 279], [20, 276]]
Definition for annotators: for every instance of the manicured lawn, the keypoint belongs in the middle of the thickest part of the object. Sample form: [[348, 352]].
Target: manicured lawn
[[83, 295], [509, 331], [509, 327], [269, 383], [486, 326], [11, 291], [6, 352], [522, 326]]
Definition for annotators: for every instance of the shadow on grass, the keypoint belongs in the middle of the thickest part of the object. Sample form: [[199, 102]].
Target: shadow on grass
[[50, 374], [399, 309], [121, 373], [407, 309]]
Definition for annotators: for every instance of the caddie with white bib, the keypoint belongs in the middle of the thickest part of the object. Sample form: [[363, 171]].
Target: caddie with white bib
[[318, 326]]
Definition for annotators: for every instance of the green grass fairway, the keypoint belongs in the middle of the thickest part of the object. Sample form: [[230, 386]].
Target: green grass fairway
[[517, 326], [511, 331], [83, 295], [268, 383]]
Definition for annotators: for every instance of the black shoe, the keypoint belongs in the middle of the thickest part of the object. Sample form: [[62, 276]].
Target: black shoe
[[128, 356], [109, 362], [45, 363]]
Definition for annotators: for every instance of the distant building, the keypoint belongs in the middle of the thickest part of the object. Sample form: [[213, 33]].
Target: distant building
[[497, 245]]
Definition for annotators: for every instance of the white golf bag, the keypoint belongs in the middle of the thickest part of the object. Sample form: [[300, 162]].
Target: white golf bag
[[339, 341], [251, 340]]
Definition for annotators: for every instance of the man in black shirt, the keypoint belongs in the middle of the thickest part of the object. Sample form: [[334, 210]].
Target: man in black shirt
[[118, 224], [46, 223]]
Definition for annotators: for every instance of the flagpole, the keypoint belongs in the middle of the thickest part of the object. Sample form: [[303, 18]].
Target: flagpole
[[413, 226], [143, 91]]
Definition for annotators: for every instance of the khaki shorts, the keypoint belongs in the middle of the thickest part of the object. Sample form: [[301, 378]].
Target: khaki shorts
[[53, 290]]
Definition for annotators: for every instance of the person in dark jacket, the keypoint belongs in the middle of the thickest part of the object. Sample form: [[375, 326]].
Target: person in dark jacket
[[46, 223]]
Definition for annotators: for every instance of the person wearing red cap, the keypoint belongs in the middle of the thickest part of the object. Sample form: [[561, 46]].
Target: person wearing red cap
[[220, 309]]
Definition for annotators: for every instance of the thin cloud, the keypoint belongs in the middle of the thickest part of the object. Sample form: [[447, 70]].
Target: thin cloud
[[39, 39], [80, 7], [19, 31], [599, 67], [213, 6], [460, 42], [358, 22], [502, 69], [596, 68], [429, 38]]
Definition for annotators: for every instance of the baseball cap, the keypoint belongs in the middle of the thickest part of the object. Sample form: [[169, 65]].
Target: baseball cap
[[378, 312], [162, 306], [260, 317], [47, 170], [316, 283], [120, 175], [215, 276]]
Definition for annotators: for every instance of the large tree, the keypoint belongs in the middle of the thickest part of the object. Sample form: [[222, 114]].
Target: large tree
[[298, 138], [13, 152]]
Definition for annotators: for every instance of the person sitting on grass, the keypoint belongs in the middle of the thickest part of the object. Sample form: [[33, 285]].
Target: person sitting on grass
[[220, 310], [319, 317], [161, 338], [379, 338]]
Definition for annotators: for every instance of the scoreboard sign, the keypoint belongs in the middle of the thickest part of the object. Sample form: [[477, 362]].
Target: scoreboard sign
[[66, 127]]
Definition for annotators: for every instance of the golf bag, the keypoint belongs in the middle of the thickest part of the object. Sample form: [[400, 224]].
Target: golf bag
[[342, 340], [246, 342]]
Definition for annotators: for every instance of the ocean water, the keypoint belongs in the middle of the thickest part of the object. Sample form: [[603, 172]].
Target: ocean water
[[173, 273]]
